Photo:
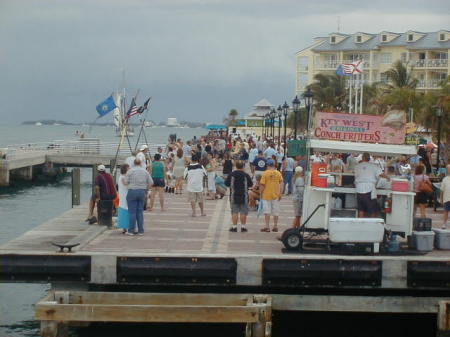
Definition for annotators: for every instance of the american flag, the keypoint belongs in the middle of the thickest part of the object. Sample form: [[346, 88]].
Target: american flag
[[133, 110]]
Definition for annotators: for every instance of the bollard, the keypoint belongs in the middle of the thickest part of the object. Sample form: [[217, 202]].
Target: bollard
[[94, 175], [76, 187]]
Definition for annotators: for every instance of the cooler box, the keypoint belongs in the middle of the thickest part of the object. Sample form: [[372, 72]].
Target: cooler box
[[423, 241], [360, 230], [316, 169], [399, 185], [322, 180], [441, 238]]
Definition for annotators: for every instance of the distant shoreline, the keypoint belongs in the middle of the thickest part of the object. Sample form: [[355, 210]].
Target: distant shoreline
[[58, 122]]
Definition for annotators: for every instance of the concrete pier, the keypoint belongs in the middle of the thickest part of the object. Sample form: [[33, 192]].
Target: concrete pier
[[179, 253]]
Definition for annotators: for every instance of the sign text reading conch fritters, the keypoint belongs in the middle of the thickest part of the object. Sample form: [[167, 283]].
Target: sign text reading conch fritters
[[387, 129]]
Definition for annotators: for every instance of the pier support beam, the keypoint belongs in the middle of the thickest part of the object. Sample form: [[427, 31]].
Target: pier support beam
[[24, 173], [4, 175], [443, 319]]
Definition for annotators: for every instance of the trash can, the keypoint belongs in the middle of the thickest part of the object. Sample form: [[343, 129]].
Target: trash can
[[423, 241], [441, 238], [104, 210]]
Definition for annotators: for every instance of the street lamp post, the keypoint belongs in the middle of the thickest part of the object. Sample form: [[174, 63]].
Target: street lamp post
[[266, 125], [308, 96], [272, 123], [439, 120], [285, 113], [295, 106], [262, 126], [279, 127]]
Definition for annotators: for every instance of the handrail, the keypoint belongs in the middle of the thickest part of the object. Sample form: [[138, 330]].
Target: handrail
[[79, 146]]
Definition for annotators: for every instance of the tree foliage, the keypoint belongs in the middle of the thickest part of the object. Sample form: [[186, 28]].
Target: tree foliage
[[401, 77]]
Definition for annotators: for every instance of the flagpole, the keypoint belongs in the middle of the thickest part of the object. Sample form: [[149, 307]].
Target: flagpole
[[361, 99], [356, 96], [350, 95]]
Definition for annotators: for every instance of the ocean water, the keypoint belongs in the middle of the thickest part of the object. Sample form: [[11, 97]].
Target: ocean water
[[25, 205]]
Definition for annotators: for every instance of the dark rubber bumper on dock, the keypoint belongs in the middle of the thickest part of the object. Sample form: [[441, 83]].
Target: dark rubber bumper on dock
[[44, 268], [302, 273], [173, 270]]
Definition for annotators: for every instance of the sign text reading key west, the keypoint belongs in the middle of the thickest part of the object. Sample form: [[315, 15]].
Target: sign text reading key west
[[358, 128]]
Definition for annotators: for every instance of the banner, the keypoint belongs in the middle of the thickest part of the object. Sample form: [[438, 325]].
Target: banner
[[388, 129], [296, 147]]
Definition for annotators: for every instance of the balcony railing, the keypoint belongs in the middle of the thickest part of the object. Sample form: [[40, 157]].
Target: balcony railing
[[335, 63], [431, 84], [429, 63]]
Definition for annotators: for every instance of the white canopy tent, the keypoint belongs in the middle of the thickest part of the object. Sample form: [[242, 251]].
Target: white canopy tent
[[324, 145]]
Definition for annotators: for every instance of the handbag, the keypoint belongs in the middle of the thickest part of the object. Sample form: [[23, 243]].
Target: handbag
[[425, 186]]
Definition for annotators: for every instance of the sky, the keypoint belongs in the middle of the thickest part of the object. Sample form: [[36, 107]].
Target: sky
[[197, 59]]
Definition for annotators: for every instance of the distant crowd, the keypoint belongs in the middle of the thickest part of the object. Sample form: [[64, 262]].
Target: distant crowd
[[255, 171]]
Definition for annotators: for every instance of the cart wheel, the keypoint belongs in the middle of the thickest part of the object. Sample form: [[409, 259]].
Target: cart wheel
[[292, 239]]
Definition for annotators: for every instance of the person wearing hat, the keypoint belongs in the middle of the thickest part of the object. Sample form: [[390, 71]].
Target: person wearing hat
[[271, 191], [105, 189], [142, 156], [297, 196]]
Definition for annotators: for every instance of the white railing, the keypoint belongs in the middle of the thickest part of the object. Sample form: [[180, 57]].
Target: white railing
[[335, 63], [80, 147], [431, 84], [429, 63]]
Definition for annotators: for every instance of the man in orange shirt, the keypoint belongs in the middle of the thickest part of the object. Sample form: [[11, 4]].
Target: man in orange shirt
[[271, 192]]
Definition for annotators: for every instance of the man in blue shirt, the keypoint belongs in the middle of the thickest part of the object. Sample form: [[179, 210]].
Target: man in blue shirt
[[260, 164], [270, 151]]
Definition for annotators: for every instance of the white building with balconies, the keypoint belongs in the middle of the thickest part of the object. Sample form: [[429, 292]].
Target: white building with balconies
[[426, 53]]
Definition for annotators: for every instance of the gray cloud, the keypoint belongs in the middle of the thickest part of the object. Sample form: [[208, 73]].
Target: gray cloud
[[196, 58]]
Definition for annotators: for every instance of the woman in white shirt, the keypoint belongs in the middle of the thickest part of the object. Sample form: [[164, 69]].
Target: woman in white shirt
[[123, 219]]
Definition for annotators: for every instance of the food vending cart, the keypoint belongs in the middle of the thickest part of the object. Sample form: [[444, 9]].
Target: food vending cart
[[319, 215]]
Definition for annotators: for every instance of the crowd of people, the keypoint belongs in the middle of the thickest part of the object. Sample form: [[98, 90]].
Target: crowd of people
[[257, 174]]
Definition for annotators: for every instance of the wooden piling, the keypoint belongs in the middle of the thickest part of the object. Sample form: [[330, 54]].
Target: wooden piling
[[94, 175], [76, 187]]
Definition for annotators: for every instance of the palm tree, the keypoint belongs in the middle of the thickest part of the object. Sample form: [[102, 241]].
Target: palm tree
[[401, 77], [329, 92], [232, 116]]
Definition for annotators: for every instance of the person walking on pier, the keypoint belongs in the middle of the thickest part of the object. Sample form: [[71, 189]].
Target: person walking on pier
[[138, 181], [123, 219], [105, 189], [158, 172], [239, 182], [271, 192], [178, 171], [445, 188], [194, 174]]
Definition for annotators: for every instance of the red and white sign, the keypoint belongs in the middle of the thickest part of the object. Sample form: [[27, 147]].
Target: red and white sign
[[388, 129]]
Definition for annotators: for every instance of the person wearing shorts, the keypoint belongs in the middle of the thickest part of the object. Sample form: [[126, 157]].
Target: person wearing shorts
[[194, 175], [158, 171], [271, 192], [239, 182]]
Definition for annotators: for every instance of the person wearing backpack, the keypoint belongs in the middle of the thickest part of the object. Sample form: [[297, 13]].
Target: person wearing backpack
[[239, 182], [423, 189]]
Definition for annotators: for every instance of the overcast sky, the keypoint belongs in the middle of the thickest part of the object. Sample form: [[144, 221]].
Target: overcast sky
[[196, 58]]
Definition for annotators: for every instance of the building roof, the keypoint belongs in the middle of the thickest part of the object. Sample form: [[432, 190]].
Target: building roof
[[428, 40], [264, 103]]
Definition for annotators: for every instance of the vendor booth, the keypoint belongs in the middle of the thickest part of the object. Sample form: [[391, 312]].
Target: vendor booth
[[322, 214]]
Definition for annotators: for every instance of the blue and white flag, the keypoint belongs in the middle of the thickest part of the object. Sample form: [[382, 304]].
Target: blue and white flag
[[106, 106]]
